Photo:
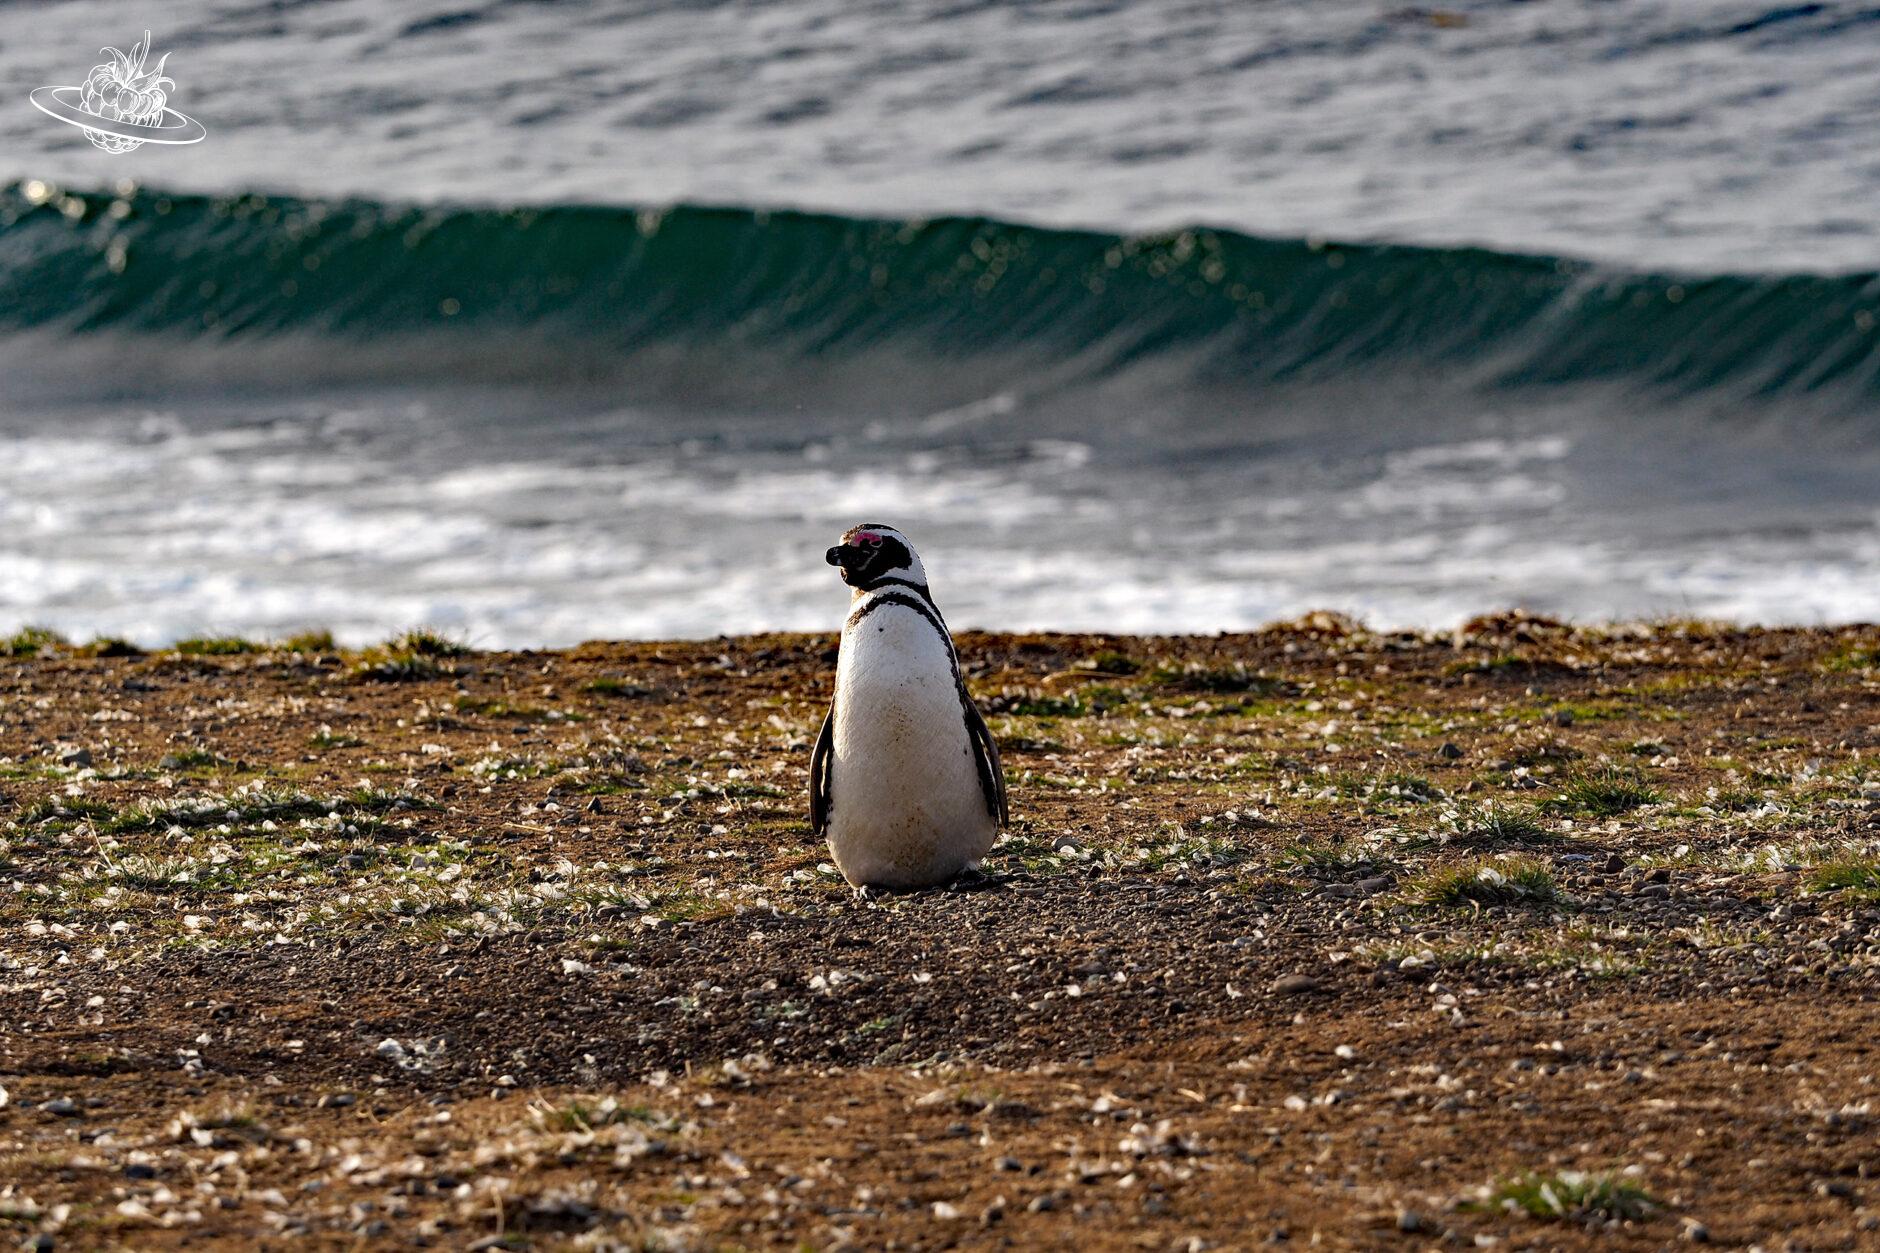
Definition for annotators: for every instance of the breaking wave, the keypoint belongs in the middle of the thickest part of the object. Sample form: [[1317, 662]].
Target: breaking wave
[[540, 291]]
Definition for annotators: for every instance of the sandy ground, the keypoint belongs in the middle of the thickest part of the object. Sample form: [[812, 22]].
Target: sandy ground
[[1534, 936]]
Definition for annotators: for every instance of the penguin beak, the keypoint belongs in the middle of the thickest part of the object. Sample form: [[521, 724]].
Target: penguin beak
[[834, 556]]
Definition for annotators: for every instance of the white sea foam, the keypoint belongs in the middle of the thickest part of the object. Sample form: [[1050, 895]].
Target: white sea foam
[[156, 529]]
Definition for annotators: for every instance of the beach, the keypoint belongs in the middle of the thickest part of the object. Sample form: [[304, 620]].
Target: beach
[[1561, 936]]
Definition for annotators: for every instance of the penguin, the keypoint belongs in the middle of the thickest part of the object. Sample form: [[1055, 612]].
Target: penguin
[[905, 782]]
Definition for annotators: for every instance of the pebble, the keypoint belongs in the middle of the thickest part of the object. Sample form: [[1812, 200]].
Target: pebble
[[1449, 752], [63, 1107], [1409, 1220], [1292, 985], [75, 757], [140, 1170], [1696, 1232]]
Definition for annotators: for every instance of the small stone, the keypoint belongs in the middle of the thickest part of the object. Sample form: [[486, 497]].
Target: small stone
[[140, 1170], [1373, 885], [1449, 752], [1043, 1203], [1011, 1165], [1614, 863], [1563, 717], [1655, 890], [1064, 844], [75, 757], [63, 1107], [1295, 984], [1696, 1232], [39, 1243], [1409, 1220]]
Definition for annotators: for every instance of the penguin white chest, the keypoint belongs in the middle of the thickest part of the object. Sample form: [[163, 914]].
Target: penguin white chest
[[906, 804]]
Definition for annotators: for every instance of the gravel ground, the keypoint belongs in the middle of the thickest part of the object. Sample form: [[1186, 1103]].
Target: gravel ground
[[1532, 935]]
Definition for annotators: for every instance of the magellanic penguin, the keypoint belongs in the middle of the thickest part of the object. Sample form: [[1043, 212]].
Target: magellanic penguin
[[905, 780]]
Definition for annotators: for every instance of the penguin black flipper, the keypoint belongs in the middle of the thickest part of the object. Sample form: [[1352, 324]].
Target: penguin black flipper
[[820, 760], [985, 759]]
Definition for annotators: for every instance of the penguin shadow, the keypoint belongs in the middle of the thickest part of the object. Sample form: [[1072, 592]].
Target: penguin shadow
[[975, 880]]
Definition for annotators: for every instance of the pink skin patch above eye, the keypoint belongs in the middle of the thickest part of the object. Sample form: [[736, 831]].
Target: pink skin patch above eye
[[867, 537]]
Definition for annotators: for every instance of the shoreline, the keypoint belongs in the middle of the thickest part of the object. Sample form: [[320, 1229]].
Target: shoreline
[[35, 639], [1295, 933]]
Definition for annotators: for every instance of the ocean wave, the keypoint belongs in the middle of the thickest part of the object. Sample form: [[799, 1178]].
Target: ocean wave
[[540, 292]]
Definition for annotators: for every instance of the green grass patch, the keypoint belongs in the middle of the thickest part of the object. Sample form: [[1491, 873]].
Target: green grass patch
[[191, 759], [61, 810], [1573, 1196], [31, 641], [217, 646], [614, 685], [1850, 659], [243, 808], [399, 667], [107, 646], [1499, 827], [1849, 872], [579, 1116], [1606, 794], [1336, 860], [310, 642], [1736, 800], [1489, 881], [427, 643], [410, 658]]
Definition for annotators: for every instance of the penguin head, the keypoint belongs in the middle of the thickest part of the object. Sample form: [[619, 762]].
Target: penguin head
[[872, 552]]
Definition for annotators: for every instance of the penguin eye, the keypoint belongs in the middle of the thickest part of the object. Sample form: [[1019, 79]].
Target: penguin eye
[[874, 541]]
